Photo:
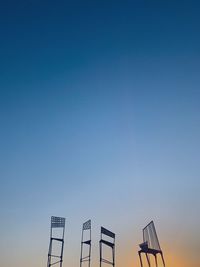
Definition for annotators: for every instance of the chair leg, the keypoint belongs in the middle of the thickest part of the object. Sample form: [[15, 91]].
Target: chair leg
[[141, 264], [148, 260], [163, 259], [156, 261]]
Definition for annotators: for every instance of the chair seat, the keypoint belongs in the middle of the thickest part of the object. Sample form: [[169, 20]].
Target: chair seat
[[107, 243], [150, 251]]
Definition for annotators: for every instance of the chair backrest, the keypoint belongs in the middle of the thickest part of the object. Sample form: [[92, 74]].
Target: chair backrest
[[57, 222], [150, 236], [57, 227]]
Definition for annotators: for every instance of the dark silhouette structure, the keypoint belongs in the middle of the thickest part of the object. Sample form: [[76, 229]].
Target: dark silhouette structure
[[56, 246], [86, 241], [150, 245], [111, 244]]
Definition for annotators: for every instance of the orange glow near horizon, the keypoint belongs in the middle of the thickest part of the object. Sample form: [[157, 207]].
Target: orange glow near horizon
[[174, 256], [171, 260]]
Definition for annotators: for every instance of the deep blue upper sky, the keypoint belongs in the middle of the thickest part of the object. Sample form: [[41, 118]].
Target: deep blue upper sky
[[98, 95], [43, 38]]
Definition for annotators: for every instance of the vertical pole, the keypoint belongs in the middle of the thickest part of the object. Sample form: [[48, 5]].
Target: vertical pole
[[61, 257], [114, 254], [100, 244], [140, 259], [90, 248], [101, 250], [156, 261], [50, 249], [148, 260], [162, 259], [49, 254], [81, 249]]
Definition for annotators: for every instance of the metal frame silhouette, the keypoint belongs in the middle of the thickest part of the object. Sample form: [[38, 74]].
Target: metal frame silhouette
[[56, 222], [150, 245], [105, 232], [87, 242]]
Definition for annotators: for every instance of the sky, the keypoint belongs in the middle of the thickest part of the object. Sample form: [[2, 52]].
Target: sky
[[100, 120]]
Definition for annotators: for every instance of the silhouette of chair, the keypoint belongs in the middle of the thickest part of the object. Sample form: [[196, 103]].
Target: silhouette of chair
[[86, 240], [56, 246], [150, 245], [110, 243]]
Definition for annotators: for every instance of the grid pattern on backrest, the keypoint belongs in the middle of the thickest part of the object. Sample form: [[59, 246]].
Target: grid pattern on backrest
[[150, 236], [87, 225], [57, 222]]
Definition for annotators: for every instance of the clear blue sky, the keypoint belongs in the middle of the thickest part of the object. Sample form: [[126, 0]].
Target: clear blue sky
[[99, 118]]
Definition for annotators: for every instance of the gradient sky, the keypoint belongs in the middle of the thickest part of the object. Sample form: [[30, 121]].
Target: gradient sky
[[100, 119]]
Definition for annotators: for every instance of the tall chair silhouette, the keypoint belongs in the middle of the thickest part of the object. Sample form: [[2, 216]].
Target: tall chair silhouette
[[150, 245], [105, 234], [56, 245], [86, 241]]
